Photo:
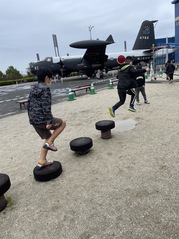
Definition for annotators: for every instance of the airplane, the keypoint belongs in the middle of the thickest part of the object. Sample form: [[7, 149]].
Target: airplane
[[93, 59], [96, 58]]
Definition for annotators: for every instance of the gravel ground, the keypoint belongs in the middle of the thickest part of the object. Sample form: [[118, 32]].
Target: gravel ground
[[124, 188]]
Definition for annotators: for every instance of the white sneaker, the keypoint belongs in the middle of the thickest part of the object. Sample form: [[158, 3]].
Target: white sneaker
[[138, 103], [146, 102]]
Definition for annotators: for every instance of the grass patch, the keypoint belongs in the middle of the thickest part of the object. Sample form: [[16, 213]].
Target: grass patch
[[10, 202]]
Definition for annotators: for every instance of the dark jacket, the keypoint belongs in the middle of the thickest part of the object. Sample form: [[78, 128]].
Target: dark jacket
[[170, 68], [39, 105], [127, 76], [140, 77]]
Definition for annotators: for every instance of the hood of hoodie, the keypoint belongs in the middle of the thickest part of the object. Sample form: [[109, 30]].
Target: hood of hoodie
[[123, 66], [38, 89]]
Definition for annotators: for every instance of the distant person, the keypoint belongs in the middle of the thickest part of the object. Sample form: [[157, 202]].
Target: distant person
[[40, 115], [169, 69], [166, 64], [152, 73], [140, 77], [98, 74], [105, 71], [126, 83]]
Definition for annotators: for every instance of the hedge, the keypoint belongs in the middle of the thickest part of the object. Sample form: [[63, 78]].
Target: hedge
[[22, 80]]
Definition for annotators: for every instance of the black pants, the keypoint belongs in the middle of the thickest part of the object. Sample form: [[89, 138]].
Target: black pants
[[170, 76], [122, 97]]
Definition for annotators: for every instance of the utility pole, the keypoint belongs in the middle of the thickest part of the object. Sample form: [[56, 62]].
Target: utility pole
[[152, 64], [125, 46], [90, 29], [55, 43], [166, 49], [38, 57]]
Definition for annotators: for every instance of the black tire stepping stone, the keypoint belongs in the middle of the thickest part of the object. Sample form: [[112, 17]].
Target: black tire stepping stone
[[105, 127]]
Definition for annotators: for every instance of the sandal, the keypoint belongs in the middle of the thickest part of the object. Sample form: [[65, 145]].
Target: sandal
[[47, 163], [50, 147]]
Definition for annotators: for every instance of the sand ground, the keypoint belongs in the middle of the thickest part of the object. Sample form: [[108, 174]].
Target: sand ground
[[126, 187]]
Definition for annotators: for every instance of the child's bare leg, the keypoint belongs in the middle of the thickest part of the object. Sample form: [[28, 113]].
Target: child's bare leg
[[43, 154], [56, 132]]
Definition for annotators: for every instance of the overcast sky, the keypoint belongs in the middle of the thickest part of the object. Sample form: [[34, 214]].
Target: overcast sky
[[26, 26]]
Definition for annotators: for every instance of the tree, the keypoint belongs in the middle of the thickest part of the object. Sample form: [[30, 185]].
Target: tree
[[13, 74], [2, 76]]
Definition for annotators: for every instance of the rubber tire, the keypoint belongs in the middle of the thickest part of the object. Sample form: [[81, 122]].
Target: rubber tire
[[81, 145], [47, 173], [3, 203], [4, 183], [105, 125]]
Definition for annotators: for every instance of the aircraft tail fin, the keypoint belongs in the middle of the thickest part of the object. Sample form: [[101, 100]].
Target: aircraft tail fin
[[145, 37], [110, 39]]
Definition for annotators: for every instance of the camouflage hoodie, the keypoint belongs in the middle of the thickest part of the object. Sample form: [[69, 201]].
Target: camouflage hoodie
[[39, 105]]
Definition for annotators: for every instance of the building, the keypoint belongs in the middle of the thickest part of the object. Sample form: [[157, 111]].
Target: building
[[163, 42], [176, 2]]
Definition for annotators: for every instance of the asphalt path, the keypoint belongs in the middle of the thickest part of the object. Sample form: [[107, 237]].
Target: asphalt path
[[9, 95]]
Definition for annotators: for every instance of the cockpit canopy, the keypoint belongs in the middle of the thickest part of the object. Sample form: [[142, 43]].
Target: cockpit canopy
[[52, 59]]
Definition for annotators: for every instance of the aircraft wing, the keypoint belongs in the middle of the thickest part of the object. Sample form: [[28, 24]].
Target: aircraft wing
[[95, 53]]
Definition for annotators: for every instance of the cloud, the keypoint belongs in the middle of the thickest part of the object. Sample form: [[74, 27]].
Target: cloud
[[26, 27]]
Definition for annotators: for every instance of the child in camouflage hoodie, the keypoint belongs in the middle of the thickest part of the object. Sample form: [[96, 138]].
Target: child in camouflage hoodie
[[40, 115]]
